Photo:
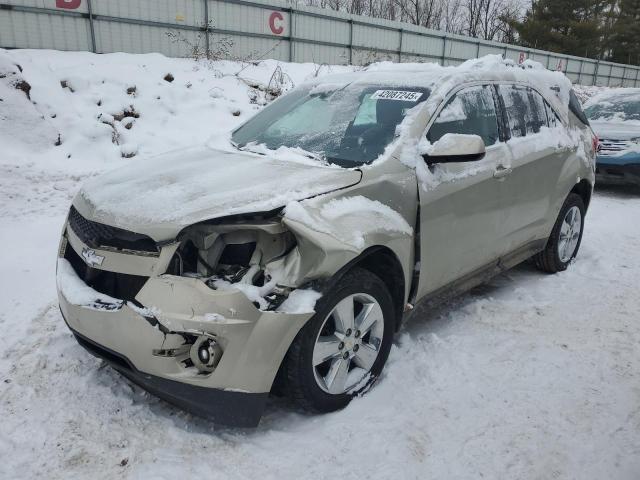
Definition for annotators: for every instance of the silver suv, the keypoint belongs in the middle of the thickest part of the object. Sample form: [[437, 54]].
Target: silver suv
[[287, 260]]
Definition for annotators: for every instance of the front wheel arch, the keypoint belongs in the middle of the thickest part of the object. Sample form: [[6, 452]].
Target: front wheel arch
[[297, 377], [382, 262], [378, 260]]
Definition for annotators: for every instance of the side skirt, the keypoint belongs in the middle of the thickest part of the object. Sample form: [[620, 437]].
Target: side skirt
[[483, 274]]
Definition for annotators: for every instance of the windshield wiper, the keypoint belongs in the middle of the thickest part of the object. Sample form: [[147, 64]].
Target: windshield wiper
[[262, 149]]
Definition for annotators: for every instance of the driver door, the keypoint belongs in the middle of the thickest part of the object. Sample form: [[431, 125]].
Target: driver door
[[462, 211]]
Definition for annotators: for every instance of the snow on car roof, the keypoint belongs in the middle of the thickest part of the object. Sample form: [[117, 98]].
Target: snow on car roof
[[619, 94], [555, 86]]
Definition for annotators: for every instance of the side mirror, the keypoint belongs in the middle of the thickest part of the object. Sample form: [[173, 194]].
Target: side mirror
[[455, 147]]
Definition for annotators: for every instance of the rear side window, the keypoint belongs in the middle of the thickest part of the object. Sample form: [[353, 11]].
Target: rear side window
[[538, 117], [525, 108], [471, 111], [576, 108], [515, 105]]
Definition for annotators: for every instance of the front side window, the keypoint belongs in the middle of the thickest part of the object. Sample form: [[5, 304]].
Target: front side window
[[348, 126], [471, 111]]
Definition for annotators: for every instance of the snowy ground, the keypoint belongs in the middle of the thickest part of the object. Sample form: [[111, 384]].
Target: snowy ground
[[529, 377]]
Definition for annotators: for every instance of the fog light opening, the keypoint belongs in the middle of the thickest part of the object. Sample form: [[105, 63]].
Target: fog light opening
[[205, 354]]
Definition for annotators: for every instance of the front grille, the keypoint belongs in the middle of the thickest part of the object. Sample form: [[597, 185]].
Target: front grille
[[611, 147], [97, 235], [117, 285]]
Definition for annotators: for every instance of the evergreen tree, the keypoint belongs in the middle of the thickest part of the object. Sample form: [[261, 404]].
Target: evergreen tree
[[564, 26], [624, 38]]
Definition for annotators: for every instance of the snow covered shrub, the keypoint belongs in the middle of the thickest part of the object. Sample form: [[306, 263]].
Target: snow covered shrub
[[219, 49]]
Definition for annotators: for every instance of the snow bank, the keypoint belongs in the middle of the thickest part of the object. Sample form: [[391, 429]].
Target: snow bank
[[111, 109], [23, 127]]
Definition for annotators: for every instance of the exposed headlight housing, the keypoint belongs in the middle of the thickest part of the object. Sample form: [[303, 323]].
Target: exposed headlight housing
[[237, 251]]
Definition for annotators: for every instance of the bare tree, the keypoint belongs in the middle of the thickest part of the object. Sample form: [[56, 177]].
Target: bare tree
[[487, 19]]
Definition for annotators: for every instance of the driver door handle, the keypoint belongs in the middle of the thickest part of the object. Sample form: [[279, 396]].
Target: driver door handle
[[500, 173]]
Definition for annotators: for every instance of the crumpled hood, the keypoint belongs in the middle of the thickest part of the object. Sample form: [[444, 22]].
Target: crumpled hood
[[616, 130], [160, 196]]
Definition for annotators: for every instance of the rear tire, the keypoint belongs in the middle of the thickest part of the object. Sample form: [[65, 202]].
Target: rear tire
[[566, 236], [313, 371]]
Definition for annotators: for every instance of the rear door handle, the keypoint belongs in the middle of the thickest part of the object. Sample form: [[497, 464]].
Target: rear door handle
[[500, 173]]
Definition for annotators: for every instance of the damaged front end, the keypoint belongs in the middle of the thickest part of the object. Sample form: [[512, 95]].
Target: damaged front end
[[200, 321], [243, 254]]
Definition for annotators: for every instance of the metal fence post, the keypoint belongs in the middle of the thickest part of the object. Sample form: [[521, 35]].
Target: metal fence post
[[478, 49], [635, 82], [580, 72], [444, 49], [207, 44], [291, 24], [595, 74], [624, 72], [91, 28], [350, 41], [400, 48]]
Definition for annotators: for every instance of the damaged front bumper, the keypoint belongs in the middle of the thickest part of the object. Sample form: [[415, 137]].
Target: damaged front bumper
[[148, 337]]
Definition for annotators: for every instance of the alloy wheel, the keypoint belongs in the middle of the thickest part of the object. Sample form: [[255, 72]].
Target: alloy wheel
[[569, 234], [348, 344]]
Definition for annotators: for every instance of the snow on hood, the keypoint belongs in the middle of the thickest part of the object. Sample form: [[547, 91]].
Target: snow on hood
[[616, 130], [162, 195]]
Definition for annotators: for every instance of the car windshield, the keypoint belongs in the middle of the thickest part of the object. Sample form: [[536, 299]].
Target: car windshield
[[347, 125], [622, 107]]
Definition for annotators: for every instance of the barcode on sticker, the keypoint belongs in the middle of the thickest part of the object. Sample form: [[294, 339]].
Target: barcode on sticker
[[400, 95]]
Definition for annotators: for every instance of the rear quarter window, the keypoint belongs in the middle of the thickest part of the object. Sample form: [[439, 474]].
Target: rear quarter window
[[552, 116], [576, 108]]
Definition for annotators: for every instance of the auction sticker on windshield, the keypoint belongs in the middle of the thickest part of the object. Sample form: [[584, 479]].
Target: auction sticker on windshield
[[396, 95]]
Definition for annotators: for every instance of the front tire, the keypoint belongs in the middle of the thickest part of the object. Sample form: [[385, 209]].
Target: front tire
[[565, 239], [342, 349]]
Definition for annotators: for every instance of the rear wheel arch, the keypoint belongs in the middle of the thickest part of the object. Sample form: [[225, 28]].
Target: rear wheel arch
[[583, 188]]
